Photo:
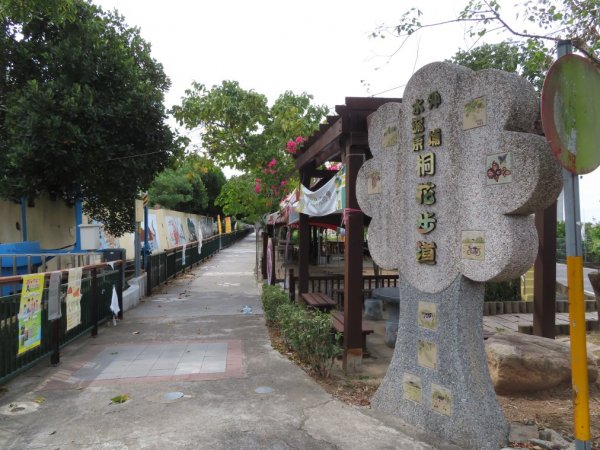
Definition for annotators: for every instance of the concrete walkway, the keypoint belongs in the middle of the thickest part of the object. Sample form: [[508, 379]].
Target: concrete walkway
[[198, 372]]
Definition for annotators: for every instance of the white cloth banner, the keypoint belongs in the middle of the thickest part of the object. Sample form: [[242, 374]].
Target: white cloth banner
[[54, 312], [183, 256], [319, 203], [114, 303]]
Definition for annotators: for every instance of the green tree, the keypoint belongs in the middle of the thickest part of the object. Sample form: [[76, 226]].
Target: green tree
[[82, 114], [240, 130], [180, 189], [526, 59], [575, 20], [239, 199], [213, 179]]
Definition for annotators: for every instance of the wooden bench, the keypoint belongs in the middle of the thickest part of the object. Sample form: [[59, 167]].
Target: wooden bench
[[318, 300], [338, 325]]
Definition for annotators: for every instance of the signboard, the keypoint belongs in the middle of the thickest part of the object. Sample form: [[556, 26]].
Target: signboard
[[30, 312], [570, 111]]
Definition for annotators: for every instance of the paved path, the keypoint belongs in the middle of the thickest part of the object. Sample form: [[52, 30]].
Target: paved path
[[199, 374], [561, 277]]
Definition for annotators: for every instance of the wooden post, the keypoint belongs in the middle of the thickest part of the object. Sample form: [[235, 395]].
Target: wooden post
[[544, 288], [353, 262], [94, 289], [303, 253], [263, 266], [292, 286]]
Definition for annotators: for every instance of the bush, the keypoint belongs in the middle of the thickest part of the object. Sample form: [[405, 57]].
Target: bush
[[306, 332], [272, 298], [503, 291], [309, 334]]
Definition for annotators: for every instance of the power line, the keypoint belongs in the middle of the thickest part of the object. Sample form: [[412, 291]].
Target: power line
[[388, 90], [134, 156]]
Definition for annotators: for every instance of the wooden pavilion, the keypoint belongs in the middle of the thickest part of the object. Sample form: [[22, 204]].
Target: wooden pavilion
[[344, 138]]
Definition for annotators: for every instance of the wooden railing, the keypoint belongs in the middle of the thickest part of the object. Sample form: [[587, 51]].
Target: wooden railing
[[335, 282]]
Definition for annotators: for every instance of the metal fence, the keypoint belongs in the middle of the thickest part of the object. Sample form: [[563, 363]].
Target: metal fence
[[165, 265], [96, 289]]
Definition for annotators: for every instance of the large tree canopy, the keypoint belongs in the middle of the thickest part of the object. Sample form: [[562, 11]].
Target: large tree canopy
[[81, 111], [239, 129]]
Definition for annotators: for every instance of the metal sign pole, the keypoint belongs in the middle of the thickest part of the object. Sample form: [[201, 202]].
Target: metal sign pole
[[579, 371]]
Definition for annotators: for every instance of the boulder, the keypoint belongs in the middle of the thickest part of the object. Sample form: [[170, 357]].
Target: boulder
[[520, 363]]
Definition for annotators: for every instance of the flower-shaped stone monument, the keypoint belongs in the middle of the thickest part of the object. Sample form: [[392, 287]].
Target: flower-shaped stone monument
[[456, 174]]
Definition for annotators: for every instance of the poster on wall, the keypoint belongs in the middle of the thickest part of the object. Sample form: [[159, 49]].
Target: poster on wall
[[175, 234], [153, 237], [192, 229], [74, 298], [206, 225], [106, 240], [30, 312]]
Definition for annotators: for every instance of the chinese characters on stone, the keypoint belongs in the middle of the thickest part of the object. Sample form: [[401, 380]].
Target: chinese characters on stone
[[425, 166]]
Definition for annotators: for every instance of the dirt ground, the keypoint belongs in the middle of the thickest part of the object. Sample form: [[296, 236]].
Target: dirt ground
[[547, 409]]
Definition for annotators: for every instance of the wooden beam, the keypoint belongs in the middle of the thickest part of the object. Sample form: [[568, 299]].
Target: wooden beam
[[353, 266], [328, 154], [325, 140], [544, 278]]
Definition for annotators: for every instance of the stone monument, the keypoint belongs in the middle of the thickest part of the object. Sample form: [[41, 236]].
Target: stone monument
[[456, 174]]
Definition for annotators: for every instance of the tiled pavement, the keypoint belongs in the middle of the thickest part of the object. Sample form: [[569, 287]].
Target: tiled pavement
[[150, 362]]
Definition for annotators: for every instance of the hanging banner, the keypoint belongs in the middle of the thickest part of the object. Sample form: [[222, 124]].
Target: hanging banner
[[329, 199], [30, 312], [114, 302], [183, 255], [227, 224], [74, 298], [200, 237], [219, 224], [54, 312]]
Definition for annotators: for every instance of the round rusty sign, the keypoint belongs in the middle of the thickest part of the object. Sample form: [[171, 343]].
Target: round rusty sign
[[571, 113]]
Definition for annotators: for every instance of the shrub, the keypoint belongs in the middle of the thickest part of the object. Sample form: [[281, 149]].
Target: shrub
[[503, 291], [272, 298], [307, 332]]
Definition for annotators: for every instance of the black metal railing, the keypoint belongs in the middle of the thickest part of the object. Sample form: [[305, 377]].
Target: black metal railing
[[96, 294], [167, 264]]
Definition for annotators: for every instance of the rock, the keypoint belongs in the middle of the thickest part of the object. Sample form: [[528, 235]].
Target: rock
[[520, 432], [523, 363], [549, 434], [547, 444]]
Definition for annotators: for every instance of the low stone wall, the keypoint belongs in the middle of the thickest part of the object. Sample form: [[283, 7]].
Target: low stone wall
[[521, 307], [135, 292]]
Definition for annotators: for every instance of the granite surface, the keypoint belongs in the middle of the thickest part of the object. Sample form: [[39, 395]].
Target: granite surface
[[473, 419], [491, 209], [456, 174]]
